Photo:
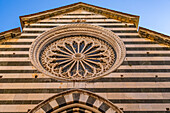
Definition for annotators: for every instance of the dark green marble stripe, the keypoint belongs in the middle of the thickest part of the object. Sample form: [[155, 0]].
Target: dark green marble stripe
[[25, 63], [147, 55], [125, 36], [16, 43], [116, 31], [28, 37], [131, 63], [29, 43], [14, 55], [116, 79], [146, 111], [95, 90], [123, 112], [142, 70], [14, 49], [124, 31], [106, 26], [18, 71], [117, 71], [128, 49], [119, 101], [147, 48], [147, 42]]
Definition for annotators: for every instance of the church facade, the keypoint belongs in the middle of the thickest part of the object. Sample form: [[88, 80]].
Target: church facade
[[84, 59]]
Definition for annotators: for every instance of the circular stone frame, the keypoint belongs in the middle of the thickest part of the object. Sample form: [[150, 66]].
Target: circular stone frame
[[76, 29]]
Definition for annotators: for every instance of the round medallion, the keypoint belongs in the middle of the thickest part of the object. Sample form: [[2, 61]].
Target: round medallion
[[78, 57], [77, 52]]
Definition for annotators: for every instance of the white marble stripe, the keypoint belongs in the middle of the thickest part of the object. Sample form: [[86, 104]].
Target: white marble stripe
[[120, 34], [36, 29], [85, 85], [73, 20], [18, 59], [105, 24], [150, 52], [17, 68], [31, 34], [16, 108], [121, 67], [14, 52], [31, 40], [79, 11], [126, 107], [79, 16], [144, 106], [44, 96], [121, 29], [128, 52], [45, 29], [15, 46], [144, 67], [135, 39], [143, 45], [20, 40], [128, 45], [147, 59]]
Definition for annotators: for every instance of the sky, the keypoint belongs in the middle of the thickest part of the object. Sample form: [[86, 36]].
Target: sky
[[154, 14]]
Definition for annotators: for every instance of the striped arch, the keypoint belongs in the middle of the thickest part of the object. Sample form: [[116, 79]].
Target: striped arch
[[78, 101]]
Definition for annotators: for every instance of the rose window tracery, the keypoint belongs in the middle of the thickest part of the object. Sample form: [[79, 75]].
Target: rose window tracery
[[77, 52], [78, 57]]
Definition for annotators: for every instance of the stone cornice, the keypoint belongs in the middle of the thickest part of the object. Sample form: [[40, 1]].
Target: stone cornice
[[155, 36], [10, 33], [32, 18]]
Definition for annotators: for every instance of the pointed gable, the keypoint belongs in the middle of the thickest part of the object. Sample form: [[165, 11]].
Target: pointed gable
[[123, 17]]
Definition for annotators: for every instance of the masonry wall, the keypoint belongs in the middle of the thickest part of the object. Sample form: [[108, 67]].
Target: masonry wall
[[141, 84]]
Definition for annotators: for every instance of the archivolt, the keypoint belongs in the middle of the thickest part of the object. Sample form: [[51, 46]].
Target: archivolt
[[76, 100]]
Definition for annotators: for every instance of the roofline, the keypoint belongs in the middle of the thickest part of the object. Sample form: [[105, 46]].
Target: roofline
[[117, 15], [11, 30], [77, 4], [155, 36], [10, 33]]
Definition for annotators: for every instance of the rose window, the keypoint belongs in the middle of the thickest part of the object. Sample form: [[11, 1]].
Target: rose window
[[77, 52], [78, 57]]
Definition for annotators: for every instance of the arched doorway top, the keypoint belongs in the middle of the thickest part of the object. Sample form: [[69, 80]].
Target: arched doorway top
[[76, 100]]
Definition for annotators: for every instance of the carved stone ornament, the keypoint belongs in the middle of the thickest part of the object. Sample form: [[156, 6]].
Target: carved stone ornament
[[77, 52], [76, 101]]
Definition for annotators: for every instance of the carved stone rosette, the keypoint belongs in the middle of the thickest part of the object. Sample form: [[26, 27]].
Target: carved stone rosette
[[77, 52]]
